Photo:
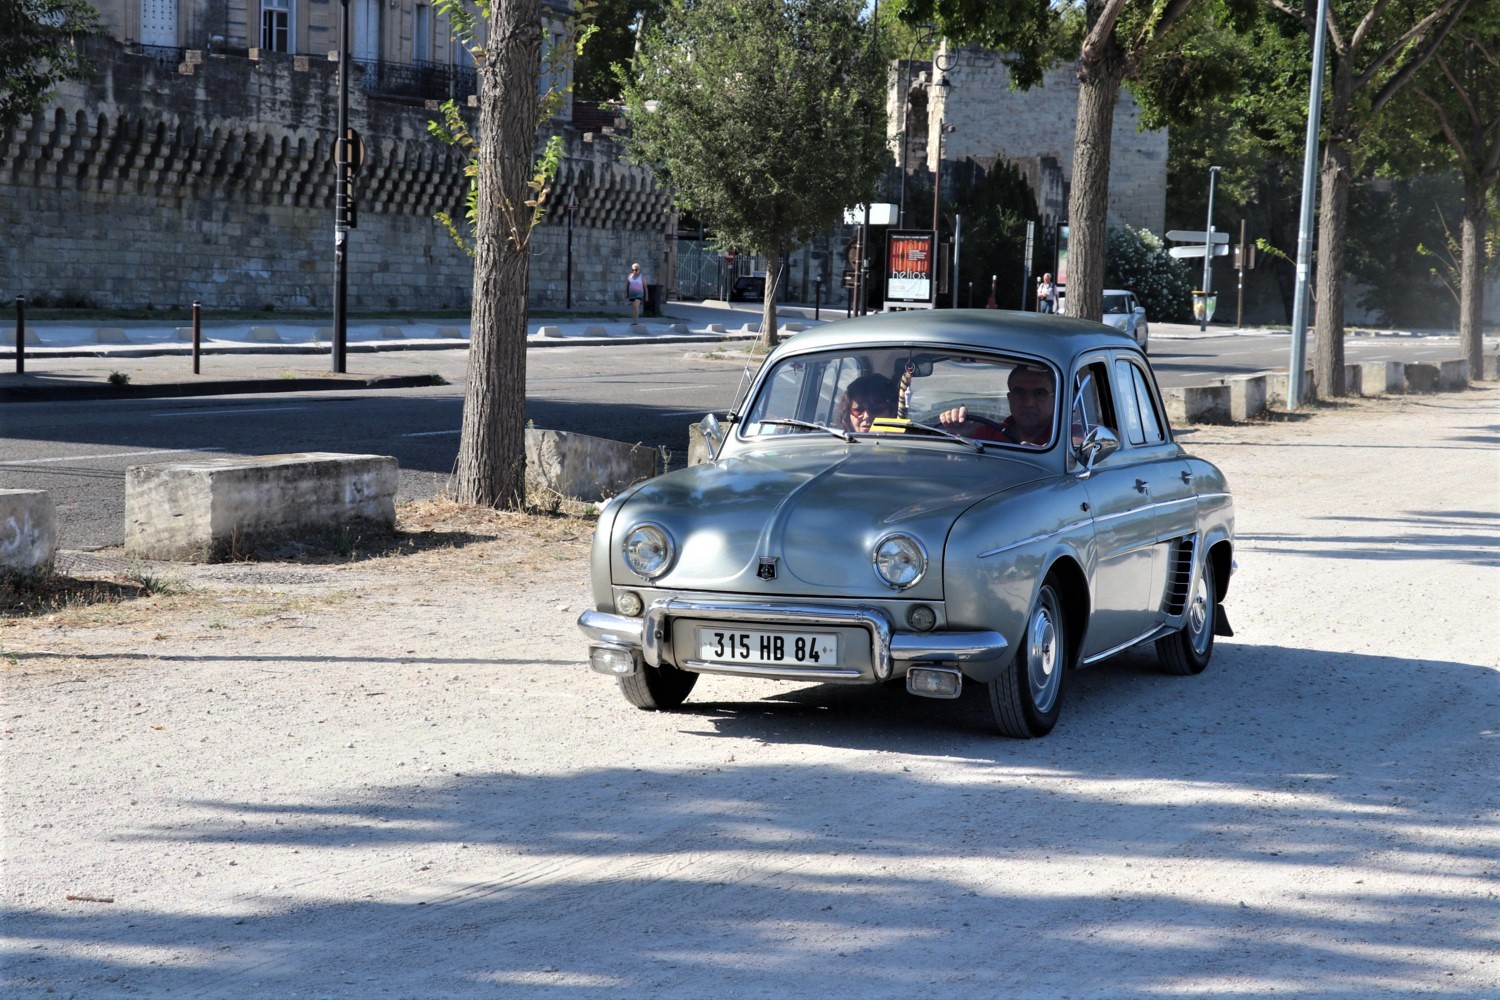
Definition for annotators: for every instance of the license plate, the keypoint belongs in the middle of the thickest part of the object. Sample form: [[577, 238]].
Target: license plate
[[803, 649]]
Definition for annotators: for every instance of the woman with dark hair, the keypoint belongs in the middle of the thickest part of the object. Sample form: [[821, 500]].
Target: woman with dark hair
[[866, 398]]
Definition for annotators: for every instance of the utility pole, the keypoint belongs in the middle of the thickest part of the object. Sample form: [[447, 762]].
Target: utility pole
[[341, 202]]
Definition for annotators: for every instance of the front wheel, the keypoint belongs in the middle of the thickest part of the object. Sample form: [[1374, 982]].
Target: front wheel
[[1026, 699], [657, 687], [1188, 650]]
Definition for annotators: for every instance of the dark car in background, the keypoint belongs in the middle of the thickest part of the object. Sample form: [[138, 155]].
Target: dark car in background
[[748, 288]]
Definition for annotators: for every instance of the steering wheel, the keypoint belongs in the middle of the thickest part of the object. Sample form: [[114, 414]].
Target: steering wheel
[[985, 421]]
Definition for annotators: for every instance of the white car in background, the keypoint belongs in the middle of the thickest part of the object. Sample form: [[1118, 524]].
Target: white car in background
[[1124, 312]]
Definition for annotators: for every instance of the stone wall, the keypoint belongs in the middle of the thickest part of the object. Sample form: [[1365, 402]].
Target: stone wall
[[147, 187], [1035, 129]]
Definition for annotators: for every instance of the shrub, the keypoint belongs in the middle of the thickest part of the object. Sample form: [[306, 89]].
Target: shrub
[[1138, 260]]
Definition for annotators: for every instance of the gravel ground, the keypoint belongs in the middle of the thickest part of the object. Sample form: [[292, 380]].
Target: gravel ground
[[394, 776]]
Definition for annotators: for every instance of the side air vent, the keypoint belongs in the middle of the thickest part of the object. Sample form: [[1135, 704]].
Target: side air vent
[[1179, 575]]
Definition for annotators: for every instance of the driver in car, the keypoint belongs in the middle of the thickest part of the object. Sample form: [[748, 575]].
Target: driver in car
[[1030, 420]]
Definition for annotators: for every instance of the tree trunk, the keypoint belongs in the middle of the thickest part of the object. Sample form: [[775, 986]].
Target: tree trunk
[[1088, 204], [1333, 227], [768, 338], [1471, 280], [491, 469]]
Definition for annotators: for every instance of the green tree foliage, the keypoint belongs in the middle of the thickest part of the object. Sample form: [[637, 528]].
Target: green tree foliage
[[1139, 261], [596, 76], [37, 52], [766, 117]]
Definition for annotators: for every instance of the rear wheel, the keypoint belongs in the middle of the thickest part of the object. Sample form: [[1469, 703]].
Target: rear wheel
[[1026, 699], [1188, 650], [657, 687]]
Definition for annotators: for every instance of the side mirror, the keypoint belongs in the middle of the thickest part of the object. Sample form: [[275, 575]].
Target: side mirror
[[1098, 444], [713, 434]]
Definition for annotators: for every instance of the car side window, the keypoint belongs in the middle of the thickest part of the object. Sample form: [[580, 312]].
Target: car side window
[[1141, 423], [1092, 402]]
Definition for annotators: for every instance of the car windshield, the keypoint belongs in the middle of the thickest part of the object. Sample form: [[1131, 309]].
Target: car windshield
[[883, 390], [1116, 304]]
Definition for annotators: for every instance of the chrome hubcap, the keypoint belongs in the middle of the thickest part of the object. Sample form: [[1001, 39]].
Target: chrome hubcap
[[1042, 659], [1198, 611]]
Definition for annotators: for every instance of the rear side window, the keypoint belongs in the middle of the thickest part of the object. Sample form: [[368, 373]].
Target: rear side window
[[1141, 424]]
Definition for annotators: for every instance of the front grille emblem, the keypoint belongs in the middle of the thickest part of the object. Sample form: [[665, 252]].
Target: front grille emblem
[[767, 569]]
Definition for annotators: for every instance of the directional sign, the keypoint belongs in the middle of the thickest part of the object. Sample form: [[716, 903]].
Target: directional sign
[[1197, 251], [1190, 236]]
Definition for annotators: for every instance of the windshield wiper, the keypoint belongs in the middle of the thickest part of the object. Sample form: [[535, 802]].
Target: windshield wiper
[[807, 425], [943, 432]]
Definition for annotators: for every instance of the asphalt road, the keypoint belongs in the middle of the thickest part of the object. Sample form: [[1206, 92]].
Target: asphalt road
[[79, 450]]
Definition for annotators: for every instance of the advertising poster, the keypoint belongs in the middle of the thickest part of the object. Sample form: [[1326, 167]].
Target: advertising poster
[[908, 279]]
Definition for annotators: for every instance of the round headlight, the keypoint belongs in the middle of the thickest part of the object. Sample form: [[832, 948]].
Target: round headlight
[[900, 560], [648, 550], [629, 604]]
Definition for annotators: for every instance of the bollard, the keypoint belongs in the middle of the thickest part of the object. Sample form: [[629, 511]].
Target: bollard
[[197, 332], [20, 334]]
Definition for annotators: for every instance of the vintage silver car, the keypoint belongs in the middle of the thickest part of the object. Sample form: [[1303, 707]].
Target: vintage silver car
[[910, 496]]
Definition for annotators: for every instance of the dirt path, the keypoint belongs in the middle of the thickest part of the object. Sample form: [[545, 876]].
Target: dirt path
[[396, 777]]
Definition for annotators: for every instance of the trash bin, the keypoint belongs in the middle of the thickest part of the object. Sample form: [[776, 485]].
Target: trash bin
[[654, 296], [1203, 305]]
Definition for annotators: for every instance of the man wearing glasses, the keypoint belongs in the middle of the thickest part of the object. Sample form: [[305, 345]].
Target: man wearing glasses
[[1030, 420]]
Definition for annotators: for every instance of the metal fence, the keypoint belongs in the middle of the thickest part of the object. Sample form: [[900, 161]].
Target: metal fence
[[419, 81]]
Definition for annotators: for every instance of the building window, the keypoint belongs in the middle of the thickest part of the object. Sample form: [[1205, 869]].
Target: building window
[[276, 25], [422, 34]]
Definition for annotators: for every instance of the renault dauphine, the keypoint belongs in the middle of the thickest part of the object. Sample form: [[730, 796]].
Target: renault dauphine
[[940, 499]]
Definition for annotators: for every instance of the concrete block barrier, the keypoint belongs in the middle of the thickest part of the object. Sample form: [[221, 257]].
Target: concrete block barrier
[[110, 335], [1381, 377], [184, 334], [788, 329], [265, 335], [549, 331], [678, 327], [392, 333], [1247, 397], [716, 328], [583, 467], [1278, 391], [1453, 376], [595, 331], [8, 338], [451, 331], [208, 510], [1198, 404], [1421, 377], [1490, 367], [28, 531]]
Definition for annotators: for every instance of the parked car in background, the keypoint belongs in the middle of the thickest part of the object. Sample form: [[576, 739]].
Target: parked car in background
[[748, 288], [1124, 312], [849, 528]]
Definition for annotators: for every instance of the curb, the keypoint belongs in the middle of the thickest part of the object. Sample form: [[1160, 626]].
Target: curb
[[159, 390]]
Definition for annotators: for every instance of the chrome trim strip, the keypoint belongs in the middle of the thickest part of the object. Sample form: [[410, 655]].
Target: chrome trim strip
[[1158, 632], [1037, 538]]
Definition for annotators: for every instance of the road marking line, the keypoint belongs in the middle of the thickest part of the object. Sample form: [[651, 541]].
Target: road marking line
[[117, 454], [228, 412], [674, 388], [685, 413], [423, 434]]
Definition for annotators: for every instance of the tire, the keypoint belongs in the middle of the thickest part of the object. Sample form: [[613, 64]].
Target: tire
[[655, 688], [1026, 699], [1188, 650]]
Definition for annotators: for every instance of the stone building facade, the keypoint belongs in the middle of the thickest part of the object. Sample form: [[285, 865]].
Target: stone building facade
[[178, 174], [1033, 129]]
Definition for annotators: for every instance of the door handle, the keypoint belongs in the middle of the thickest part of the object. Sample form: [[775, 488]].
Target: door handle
[[1187, 477], [1141, 486]]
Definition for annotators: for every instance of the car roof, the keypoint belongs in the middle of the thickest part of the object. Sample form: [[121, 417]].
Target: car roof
[[1060, 338]]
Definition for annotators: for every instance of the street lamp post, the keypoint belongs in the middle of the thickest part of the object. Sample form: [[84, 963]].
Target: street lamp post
[[923, 38], [1208, 246], [341, 202]]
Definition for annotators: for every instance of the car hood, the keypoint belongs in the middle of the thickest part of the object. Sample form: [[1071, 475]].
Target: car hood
[[817, 511]]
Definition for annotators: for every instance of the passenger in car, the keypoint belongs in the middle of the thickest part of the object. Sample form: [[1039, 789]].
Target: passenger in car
[[866, 398], [1031, 392]]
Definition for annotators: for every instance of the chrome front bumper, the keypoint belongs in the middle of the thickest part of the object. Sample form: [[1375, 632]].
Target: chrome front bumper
[[648, 638]]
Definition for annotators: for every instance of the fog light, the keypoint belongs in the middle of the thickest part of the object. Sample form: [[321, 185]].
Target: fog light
[[934, 682], [629, 604], [612, 660], [922, 618]]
